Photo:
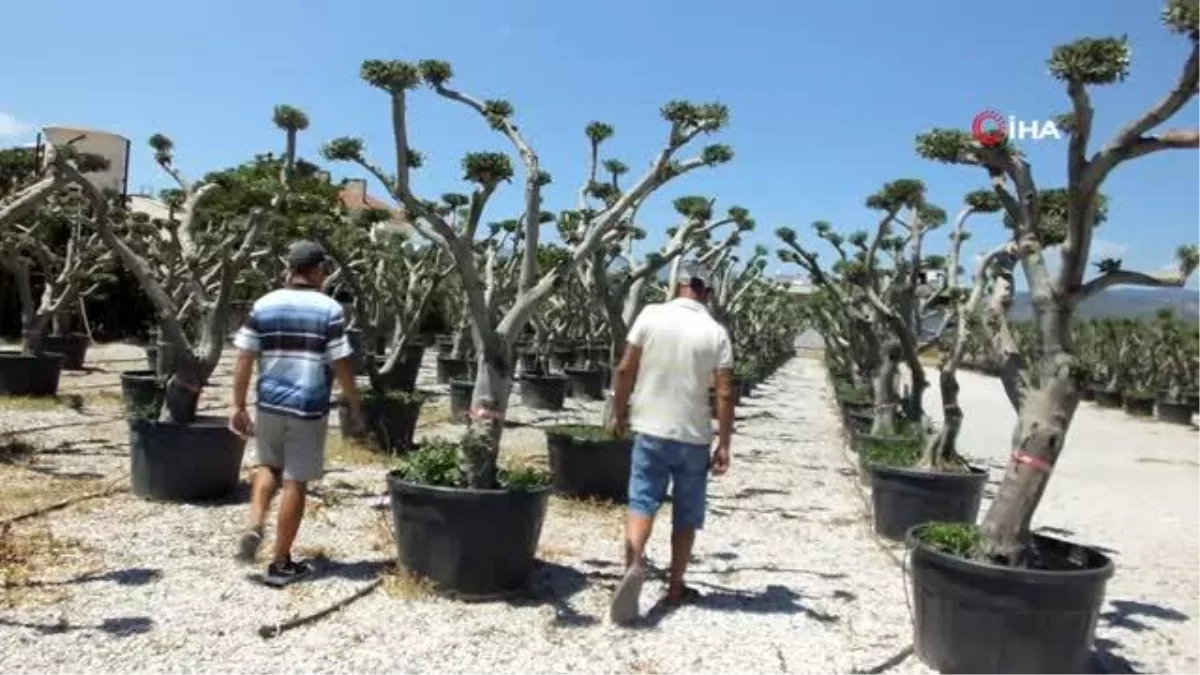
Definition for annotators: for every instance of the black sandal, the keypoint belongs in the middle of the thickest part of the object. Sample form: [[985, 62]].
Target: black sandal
[[284, 574], [688, 596]]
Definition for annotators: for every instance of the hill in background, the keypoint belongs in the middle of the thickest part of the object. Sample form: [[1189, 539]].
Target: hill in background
[[1124, 303]]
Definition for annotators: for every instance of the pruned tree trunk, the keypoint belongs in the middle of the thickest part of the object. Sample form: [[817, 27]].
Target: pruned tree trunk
[[884, 387]]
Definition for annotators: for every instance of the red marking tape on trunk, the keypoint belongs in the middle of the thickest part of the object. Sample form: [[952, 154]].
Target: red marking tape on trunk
[[479, 413], [1031, 461]]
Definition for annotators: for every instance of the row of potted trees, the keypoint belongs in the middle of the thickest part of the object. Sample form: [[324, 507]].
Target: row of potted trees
[[993, 596]]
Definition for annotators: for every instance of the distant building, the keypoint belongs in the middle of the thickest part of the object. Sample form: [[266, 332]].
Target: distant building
[[355, 198], [795, 284]]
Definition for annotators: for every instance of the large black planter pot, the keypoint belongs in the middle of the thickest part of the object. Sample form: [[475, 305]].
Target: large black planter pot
[[1087, 394], [151, 358], [1108, 399], [859, 422], [472, 544], [29, 375], [543, 392], [590, 468], [455, 369], [1193, 399], [404, 374], [585, 384], [1174, 411], [174, 462], [445, 344], [460, 400], [141, 393], [390, 422], [73, 348], [1139, 406], [561, 359], [973, 617], [904, 498]]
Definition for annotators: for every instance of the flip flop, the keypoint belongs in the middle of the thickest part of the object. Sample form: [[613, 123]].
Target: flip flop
[[248, 546], [625, 608]]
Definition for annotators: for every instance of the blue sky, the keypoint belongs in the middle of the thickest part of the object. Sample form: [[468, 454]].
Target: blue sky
[[825, 97]]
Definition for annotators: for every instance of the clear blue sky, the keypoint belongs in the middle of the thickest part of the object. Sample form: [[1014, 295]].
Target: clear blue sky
[[826, 97]]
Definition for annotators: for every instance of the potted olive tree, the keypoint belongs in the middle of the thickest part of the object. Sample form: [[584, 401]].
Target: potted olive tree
[[188, 265], [484, 538], [980, 590], [43, 234]]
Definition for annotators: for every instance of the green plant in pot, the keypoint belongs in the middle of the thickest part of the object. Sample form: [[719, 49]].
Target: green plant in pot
[[1116, 346], [44, 235], [1171, 354], [190, 276], [992, 583], [479, 521]]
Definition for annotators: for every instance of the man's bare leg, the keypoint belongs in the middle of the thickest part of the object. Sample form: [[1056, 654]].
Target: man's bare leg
[[637, 534], [681, 554], [291, 511], [263, 484]]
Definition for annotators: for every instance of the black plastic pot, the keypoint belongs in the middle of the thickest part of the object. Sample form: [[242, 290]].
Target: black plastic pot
[[543, 392], [1106, 398], [445, 344], [1193, 399], [354, 337], [404, 374], [1087, 394], [151, 358], [904, 498], [1138, 406], [472, 544], [142, 393], [585, 383], [973, 617], [174, 462], [562, 358], [590, 468], [455, 369], [28, 375], [391, 422], [1174, 411], [460, 400], [859, 422], [72, 346], [527, 362]]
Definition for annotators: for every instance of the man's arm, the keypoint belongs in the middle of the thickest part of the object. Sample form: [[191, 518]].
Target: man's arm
[[242, 370], [338, 352], [724, 377], [624, 378], [248, 346]]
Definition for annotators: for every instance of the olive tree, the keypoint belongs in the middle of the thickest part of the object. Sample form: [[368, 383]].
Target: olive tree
[[1045, 391], [494, 334]]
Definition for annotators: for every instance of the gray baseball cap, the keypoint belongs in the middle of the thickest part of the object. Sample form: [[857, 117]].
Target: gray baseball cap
[[692, 273], [305, 254]]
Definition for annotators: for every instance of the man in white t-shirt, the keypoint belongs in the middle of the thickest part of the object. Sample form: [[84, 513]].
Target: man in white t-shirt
[[674, 352]]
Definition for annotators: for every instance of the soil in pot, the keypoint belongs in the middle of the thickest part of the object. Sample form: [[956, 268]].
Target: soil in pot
[[72, 346], [403, 376], [390, 418], [454, 369], [1108, 398], [28, 375], [1176, 412], [584, 383], [543, 392], [142, 394], [589, 462], [200, 461], [1138, 405], [472, 544], [460, 400], [971, 616]]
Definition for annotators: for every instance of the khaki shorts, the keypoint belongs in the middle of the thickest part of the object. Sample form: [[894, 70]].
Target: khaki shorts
[[291, 444]]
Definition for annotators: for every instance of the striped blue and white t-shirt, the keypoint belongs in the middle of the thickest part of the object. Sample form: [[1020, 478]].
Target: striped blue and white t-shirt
[[296, 333]]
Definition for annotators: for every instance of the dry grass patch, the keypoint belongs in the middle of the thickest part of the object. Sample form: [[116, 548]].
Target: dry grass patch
[[404, 585], [25, 491], [30, 403], [643, 667], [585, 508], [354, 452], [434, 414], [28, 552], [102, 398], [552, 553]]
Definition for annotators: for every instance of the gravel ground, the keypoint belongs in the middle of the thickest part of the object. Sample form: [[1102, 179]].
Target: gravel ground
[[131, 586]]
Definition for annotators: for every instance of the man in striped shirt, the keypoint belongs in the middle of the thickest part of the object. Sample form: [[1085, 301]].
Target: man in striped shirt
[[296, 334]]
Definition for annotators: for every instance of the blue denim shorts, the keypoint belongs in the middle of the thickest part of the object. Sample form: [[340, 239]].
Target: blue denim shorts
[[657, 461]]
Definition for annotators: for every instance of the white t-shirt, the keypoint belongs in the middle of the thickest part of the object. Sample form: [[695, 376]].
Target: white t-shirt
[[682, 346]]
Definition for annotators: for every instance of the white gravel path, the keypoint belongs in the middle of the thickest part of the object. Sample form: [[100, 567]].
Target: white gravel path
[[1129, 486], [793, 581]]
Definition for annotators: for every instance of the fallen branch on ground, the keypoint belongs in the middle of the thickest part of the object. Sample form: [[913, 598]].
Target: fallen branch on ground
[[267, 631], [112, 489]]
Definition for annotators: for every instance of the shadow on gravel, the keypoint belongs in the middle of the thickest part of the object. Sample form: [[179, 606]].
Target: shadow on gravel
[[239, 495], [773, 599], [118, 627], [1107, 659], [357, 570], [748, 493], [553, 584], [1125, 614], [131, 576]]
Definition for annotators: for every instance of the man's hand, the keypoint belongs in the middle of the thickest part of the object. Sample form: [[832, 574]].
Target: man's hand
[[720, 460], [618, 426], [240, 422]]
